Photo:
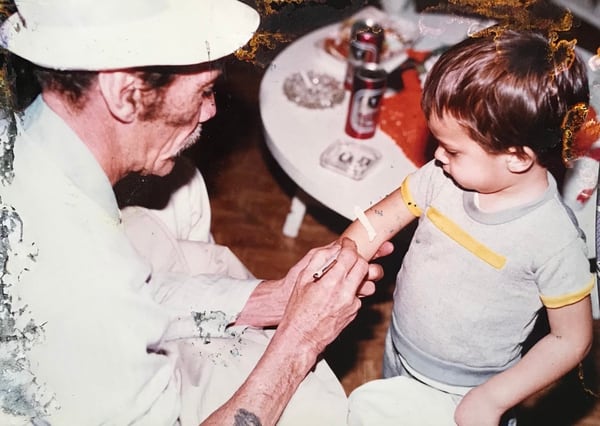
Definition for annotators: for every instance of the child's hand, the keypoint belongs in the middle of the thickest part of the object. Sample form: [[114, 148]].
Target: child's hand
[[478, 409]]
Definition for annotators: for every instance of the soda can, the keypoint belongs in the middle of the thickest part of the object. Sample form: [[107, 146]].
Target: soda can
[[365, 46], [368, 86]]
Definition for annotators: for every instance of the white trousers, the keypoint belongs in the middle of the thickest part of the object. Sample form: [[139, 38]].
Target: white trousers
[[213, 372], [401, 400], [404, 400]]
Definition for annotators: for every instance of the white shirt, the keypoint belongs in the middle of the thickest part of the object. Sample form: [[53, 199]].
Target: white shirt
[[104, 315]]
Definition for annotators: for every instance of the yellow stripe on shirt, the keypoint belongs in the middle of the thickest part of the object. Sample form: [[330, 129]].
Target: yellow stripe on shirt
[[568, 299], [453, 231], [411, 204]]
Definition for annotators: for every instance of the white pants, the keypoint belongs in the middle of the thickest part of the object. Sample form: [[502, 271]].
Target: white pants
[[403, 401], [213, 372]]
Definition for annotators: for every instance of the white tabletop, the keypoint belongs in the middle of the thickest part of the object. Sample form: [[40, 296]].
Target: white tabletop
[[296, 136]]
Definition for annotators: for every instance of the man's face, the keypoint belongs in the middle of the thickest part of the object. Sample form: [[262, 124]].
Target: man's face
[[173, 121]]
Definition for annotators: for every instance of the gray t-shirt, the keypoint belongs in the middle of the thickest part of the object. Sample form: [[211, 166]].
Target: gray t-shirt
[[472, 283]]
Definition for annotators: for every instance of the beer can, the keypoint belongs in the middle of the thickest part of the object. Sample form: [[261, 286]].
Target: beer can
[[368, 87], [365, 46]]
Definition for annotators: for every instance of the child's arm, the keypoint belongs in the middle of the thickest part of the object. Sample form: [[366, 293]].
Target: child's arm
[[386, 218], [557, 353]]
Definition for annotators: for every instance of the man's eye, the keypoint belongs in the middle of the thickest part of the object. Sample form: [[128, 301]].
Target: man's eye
[[208, 92]]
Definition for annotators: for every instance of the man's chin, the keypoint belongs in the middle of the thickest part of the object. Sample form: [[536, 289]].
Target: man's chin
[[165, 168], [191, 139]]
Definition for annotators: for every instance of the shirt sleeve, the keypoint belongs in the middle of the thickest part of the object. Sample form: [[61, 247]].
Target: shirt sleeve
[[565, 278], [418, 189], [202, 305], [99, 348]]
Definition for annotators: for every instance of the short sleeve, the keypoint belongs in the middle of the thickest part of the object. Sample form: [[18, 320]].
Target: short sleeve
[[565, 278], [420, 187]]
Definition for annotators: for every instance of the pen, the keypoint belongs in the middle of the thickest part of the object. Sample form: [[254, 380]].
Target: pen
[[326, 267]]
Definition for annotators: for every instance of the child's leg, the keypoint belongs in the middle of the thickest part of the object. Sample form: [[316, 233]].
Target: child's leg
[[401, 401]]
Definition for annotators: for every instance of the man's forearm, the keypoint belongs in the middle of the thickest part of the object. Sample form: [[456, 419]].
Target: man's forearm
[[265, 306], [266, 392]]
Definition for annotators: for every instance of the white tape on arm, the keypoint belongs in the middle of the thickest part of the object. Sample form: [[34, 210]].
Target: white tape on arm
[[362, 218]]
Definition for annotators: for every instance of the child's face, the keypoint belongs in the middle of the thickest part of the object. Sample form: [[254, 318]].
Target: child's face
[[465, 160]]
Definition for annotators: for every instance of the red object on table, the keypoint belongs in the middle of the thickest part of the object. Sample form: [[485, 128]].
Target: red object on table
[[403, 120], [419, 56]]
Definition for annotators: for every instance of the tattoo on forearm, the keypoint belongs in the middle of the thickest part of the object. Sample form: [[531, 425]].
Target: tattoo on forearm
[[246, 418]]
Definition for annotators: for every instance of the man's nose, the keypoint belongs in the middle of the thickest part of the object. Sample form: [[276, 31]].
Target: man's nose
[[208, 109]]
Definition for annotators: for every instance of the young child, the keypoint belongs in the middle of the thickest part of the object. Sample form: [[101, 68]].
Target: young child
[[494, 243]]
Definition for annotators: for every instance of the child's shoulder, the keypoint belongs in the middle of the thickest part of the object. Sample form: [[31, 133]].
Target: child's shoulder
[[550, 219], [432, 175]]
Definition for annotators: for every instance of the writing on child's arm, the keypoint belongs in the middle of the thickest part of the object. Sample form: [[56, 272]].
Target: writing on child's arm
[[379, 223]]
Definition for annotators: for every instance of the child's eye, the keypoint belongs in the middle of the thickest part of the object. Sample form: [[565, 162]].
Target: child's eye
[[449, 152]]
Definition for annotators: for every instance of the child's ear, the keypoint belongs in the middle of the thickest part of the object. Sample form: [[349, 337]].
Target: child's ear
[[520, 161]]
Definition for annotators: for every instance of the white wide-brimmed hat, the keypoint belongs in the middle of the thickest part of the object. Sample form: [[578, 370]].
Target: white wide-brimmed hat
[[115, 34]]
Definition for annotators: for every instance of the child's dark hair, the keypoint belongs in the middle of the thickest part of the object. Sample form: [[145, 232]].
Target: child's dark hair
[[506, 91]]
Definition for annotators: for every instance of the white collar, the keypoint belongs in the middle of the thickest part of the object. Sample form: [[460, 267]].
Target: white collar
[[48, 131]]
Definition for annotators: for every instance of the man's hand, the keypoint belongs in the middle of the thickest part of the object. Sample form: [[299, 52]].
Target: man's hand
[[367, 288], [385, 249], [318, 311], [267, 303]]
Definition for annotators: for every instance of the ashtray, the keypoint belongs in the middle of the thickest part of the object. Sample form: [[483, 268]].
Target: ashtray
[[351, 159], [313, 90]]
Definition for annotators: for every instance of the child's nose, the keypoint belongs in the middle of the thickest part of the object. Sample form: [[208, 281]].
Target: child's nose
[[440, 155]]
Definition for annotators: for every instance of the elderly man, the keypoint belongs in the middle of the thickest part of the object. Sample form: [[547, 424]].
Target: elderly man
[[101, 334]]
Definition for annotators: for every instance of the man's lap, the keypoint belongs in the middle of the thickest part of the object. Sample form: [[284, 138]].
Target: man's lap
[[214, 370]]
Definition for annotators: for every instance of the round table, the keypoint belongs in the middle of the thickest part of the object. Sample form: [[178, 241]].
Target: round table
[[297, 136]]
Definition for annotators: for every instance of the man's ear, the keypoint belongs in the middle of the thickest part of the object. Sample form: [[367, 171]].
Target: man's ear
[[121, 93], [520, 161]]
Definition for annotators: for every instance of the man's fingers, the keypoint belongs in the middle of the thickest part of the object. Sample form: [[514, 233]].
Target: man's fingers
[[348, 243], [367, 288], [375, 272], [385, 249], [356, 275]]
